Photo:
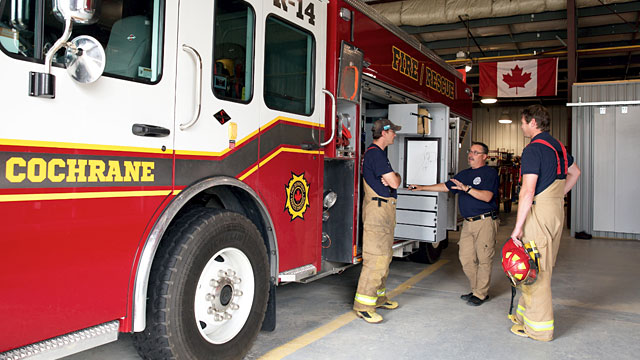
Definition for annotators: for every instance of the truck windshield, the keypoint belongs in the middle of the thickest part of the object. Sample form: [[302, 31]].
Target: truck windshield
[[129, 30]]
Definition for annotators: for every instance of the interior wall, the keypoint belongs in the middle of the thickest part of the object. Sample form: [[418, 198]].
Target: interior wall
[[587, 195], [509, 137]]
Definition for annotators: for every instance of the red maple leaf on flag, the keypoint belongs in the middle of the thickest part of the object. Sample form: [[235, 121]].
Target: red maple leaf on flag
[[517, 78]]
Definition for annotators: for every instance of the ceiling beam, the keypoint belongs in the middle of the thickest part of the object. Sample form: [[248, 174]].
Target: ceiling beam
[[532, 36], [618, 47]]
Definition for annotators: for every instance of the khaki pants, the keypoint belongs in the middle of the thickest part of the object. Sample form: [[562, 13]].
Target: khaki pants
[[544, 226], [477, 248], [377, 240]]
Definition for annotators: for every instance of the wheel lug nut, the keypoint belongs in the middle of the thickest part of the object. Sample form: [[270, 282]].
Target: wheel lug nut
[[210, 297], [227, 316], [222, 273], [231, 272], [236, 280], [237, 293], [213, 283], [218, 317], [210, 311], [234, 306]]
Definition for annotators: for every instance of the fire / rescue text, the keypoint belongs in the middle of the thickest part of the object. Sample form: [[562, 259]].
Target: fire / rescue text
[[439, 83], [408, 66], [404, 63], [57, 170]]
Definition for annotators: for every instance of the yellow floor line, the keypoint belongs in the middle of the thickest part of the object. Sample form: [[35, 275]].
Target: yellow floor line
[[416, 278], [324, 330]]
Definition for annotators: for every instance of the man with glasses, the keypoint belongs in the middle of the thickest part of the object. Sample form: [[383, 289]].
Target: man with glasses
[[477, 187], [379, 221]]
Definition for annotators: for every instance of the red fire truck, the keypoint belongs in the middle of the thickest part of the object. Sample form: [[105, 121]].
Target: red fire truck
[[164, 165]]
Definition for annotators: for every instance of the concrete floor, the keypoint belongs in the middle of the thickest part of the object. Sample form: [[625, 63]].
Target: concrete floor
[[596, 296]]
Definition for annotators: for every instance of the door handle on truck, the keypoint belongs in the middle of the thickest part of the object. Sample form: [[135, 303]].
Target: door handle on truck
[[333, 116], [149, 130], [196, 112]]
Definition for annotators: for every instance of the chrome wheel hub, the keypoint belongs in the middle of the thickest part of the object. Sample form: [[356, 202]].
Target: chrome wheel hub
[[224, 295]]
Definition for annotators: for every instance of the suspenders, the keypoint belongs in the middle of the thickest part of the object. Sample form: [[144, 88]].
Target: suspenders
[[561, 170], [362, 160]]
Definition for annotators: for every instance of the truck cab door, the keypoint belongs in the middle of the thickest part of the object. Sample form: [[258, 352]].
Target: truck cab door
[[291, 79], [249, 105], [217, 99]]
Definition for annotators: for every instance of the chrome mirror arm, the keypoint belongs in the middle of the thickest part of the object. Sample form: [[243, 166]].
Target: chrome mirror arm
[[57, 45]]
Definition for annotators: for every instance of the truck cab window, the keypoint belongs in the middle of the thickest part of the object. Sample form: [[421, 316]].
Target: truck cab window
[[130, 32], [288, 67], [233, 50]]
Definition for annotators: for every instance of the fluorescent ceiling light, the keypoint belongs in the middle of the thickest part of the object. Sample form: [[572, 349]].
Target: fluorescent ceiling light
[[486, 100], [504, 118]]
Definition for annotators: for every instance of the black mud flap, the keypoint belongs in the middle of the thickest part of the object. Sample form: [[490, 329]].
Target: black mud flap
[[269, 322]]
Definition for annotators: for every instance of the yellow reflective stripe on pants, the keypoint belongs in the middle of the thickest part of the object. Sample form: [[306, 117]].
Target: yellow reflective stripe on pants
[[537, 326], [366, 300], [382, 292]]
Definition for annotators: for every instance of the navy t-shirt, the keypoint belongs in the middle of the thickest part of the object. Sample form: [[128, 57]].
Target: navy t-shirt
[[482, 178], [539, 159], [375, 165]]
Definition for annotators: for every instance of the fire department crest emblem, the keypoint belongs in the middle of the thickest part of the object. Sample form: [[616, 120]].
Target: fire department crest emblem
[[297, 192]]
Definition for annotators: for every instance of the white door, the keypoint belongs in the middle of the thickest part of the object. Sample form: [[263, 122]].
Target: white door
[[250, 106], [217, 98], [292, 113]]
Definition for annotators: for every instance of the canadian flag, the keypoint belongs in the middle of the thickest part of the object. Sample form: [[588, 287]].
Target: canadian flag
[[519, 78]]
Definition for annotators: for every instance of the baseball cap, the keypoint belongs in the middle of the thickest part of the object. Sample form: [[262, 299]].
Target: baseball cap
[[383, 124]]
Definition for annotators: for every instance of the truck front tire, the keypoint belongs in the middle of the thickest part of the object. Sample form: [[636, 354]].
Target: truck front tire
[[208, 289]]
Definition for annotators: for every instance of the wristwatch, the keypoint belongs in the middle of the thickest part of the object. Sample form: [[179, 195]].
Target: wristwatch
[[468, 189]]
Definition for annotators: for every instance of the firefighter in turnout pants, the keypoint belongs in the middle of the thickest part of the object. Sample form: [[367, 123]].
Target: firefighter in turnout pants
[[379, 219], [548, 173]]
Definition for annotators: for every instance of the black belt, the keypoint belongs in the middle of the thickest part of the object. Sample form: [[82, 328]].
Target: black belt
[[380, 200], [491, 214]]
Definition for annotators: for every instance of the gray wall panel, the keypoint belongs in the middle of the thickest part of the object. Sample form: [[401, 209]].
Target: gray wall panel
[[586, 197], [582, 194], [604, 143], [610, 91], [627, 196]]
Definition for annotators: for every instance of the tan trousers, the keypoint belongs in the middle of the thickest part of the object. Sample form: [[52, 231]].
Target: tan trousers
[[477, 248], [544, 226], [377, 240]]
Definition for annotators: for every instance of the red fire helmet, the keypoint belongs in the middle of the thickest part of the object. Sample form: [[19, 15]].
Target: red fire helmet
[[518, 265]]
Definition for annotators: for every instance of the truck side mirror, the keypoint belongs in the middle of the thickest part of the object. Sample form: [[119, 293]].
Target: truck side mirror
[[84, 66]]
